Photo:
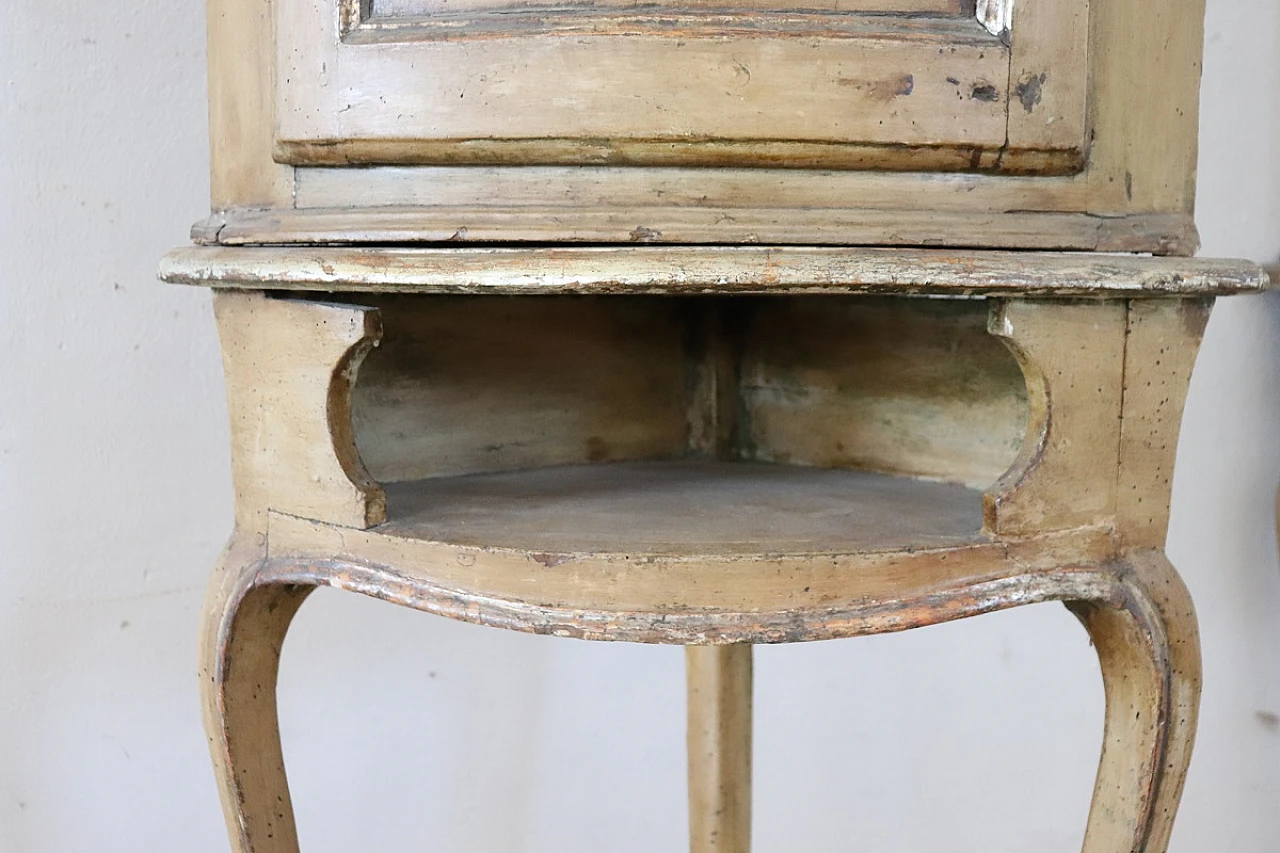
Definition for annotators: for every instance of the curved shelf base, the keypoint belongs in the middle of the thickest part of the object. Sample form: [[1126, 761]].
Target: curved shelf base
[[687, 552], [917, 608]]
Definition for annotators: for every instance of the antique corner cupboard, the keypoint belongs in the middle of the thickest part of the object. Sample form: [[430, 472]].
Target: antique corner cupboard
[[708, 324]]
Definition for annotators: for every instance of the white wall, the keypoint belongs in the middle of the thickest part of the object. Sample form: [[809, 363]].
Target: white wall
[[114, 500]]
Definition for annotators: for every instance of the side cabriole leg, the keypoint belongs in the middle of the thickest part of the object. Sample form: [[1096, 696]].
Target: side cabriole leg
[[1149, 650], [244, 629]]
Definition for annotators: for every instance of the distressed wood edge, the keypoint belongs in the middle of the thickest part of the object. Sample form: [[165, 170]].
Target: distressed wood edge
[[1157, 233], [931, 26], [699, 270], [686, 153], [997, 590]]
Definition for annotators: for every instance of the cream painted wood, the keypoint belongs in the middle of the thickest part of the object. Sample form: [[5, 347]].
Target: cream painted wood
[[720, 222], [294, 448], [729, 552], [690, 85], [719, 748], [1072, 356], [664, 443], [1135, 193]]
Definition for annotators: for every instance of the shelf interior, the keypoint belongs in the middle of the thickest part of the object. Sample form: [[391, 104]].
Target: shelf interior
[[685, 507]]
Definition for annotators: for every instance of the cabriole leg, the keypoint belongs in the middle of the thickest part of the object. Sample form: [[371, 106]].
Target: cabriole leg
[[1150, 655], [245, 626]]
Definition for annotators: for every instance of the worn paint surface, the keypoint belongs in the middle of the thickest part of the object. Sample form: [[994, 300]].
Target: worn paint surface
[[589, 560]]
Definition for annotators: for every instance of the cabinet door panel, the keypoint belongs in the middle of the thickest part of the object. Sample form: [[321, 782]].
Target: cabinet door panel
[[887, 84]]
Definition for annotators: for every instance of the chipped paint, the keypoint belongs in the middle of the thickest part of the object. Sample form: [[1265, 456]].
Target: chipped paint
[[1029, 90]]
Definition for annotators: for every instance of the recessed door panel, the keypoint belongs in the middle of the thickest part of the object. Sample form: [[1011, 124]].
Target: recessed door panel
[[870, 84]]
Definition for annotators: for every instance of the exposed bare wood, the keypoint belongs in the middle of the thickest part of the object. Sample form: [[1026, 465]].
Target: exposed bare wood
[[706, 270], [719, 745], [688, 150]]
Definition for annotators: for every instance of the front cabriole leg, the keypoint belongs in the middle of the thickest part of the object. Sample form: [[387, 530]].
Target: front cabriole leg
[[245, 623], [290, 365]]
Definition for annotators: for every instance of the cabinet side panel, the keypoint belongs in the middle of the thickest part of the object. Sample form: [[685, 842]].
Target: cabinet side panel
[[241, 97], [470, 384], [912, 386], [1146, 67]]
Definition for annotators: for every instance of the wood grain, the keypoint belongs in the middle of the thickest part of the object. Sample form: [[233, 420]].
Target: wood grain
[[912, 386], [466, 385], [393, 9]]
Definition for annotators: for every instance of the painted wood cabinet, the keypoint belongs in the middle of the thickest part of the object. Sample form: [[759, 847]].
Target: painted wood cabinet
[[712, 325], [1052, 124]]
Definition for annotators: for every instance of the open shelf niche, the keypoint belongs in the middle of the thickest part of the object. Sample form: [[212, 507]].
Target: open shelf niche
[[678, 426]]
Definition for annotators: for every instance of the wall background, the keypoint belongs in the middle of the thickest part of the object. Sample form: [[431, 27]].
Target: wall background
[[115, 499]]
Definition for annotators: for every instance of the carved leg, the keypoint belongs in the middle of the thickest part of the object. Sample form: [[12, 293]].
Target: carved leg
[[1150, 654], [719, 687], [245, 625]]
